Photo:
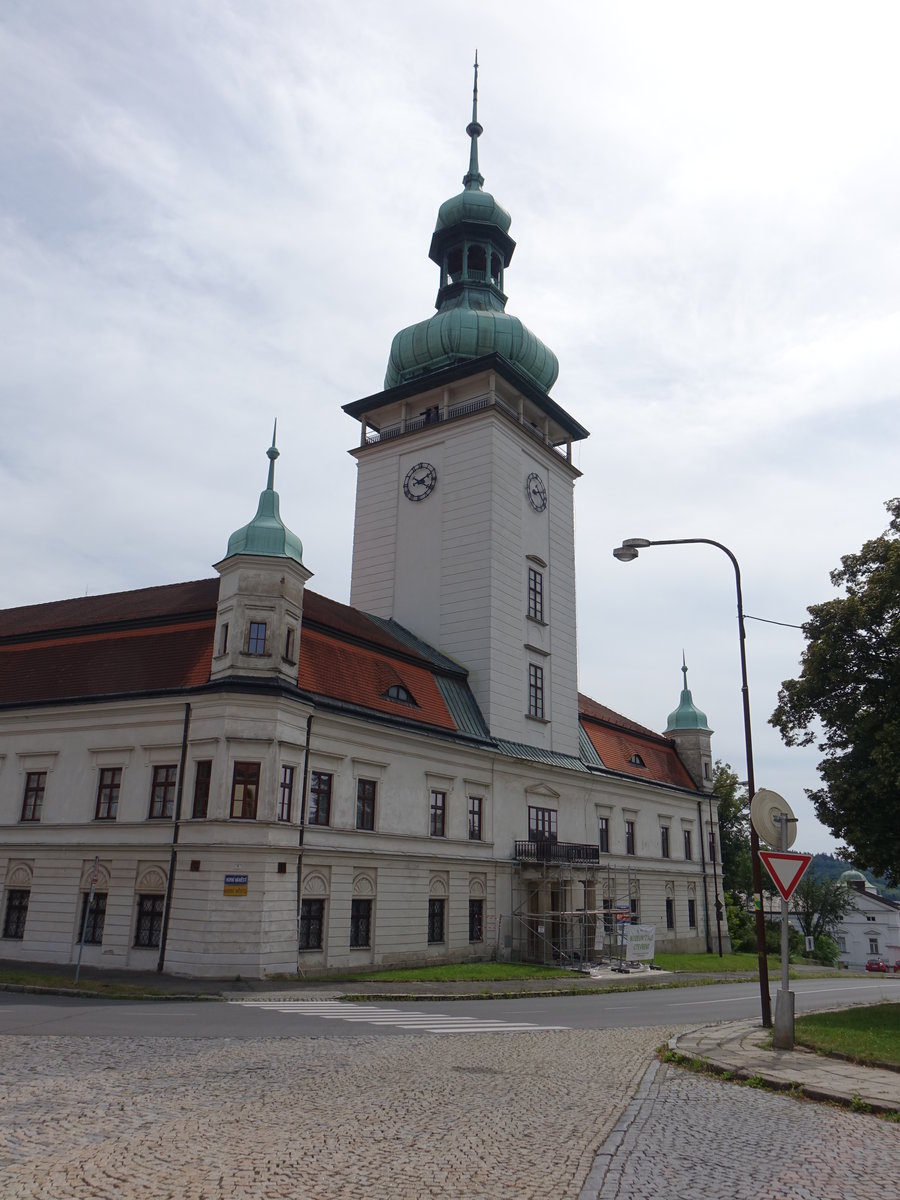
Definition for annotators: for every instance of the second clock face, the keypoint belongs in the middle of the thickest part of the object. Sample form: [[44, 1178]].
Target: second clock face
[[419, 481], [536, 492]]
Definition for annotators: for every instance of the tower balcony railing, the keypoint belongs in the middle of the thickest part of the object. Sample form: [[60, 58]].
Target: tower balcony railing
[[547, 851], [436, 415]]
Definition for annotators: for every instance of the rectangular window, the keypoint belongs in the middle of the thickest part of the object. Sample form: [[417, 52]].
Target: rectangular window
[[33, 800], [541, 824], [319, 798], [476, 813], [91, 924], [223, 638], [438, 814], [285, 793], [149, 920], [245, 791], [201, 789], [360, 923], [256, 642], [476, 920], [670, 913], [603, 834], [289, 644], [162, 793], [535, 594], [635, 910], [688, 845], [712, 847], [692, 913], [16, 913], [435, 921], [312, 919], [535, 691], [365, 804], [108, 793], [629, 837], [664, 840], [842, 943], [873, 945]]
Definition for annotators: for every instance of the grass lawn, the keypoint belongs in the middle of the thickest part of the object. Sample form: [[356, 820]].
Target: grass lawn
[[114, 989], [866, 1035], [730, 963], [464, 972]]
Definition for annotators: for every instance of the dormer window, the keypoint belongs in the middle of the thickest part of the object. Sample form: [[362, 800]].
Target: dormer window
[[256, 642], [637, 761], [399, 693]]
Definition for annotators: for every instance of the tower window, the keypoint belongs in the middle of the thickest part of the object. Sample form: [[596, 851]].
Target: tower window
[[535, 691], [256, 643], [223, 638], [535, 594], [496, 271], [244, 791], [477, 264], [289, 644], [454, 266]]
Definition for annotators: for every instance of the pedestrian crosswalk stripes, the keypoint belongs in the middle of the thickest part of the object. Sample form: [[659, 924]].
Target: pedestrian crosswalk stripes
[[364, 1014]]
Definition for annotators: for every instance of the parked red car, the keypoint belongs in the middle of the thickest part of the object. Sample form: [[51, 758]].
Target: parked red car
[[877, 963]]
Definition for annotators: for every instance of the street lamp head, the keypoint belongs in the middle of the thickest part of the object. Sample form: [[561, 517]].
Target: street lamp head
[[628, 551]]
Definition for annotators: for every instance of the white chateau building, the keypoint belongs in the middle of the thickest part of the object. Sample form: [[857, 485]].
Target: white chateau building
[[239, 776]]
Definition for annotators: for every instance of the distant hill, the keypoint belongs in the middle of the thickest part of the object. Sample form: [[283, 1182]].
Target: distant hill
[[826, 866]]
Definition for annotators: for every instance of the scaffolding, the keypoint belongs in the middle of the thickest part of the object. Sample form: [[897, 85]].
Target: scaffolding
[[547, 927]]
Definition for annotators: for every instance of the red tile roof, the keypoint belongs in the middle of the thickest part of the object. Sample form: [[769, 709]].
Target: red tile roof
[[115, 662], [359, 675], [153, 603], [617, 739]]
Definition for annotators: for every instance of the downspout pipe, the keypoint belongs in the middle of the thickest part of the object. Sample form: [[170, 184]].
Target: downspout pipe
[[709, 946], [173, 855], [304, 792]]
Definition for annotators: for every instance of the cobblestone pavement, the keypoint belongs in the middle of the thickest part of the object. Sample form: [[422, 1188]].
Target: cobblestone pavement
[[689, 1135], [494, 1115]]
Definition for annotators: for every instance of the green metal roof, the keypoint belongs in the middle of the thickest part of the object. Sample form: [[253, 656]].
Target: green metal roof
[[472, 247], [686, 715], [267, 534]]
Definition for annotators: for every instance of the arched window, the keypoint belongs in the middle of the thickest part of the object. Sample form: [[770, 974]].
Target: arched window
[[477, 264]]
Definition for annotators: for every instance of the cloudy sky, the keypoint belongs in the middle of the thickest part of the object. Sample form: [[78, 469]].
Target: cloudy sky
[[214, 213]]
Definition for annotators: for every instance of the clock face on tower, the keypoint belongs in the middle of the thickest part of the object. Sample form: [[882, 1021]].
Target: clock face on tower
[[419, 481], [536, 492]]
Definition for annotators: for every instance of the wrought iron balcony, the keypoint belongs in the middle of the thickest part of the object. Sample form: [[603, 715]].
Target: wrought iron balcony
[[548, 851]]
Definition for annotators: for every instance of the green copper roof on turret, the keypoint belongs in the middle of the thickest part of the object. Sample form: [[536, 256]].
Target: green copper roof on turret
[[267, 534], [686, 715], [472, 247]]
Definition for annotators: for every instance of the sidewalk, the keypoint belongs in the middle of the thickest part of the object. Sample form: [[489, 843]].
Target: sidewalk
[[741, 1048]]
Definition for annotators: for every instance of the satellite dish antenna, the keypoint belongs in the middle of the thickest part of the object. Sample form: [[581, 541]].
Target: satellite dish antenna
[[765, 809]]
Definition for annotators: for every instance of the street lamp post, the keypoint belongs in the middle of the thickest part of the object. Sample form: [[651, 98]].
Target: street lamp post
[[628, 552]]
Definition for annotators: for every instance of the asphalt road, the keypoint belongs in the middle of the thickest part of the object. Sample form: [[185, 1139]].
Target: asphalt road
[[261, 1016]]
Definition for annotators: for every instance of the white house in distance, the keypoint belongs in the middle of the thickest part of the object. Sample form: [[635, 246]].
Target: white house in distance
[[237, 775], [871, 926]]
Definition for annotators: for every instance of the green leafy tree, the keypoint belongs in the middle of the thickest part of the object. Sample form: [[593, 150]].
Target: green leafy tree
[[820, 905], [734, 830], [847, 700]]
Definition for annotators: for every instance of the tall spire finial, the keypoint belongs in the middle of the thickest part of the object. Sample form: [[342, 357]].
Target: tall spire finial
[[684, 667], [272, 454], [473, 179]]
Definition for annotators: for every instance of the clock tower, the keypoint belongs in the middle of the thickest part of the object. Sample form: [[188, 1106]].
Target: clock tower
[[464, 529]]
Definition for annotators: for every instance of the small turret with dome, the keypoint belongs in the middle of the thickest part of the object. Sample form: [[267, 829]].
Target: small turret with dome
[[688, 728], [472, 247], [260, 608]]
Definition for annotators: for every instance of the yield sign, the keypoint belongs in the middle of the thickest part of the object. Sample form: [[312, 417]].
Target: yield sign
[[786, 869]]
